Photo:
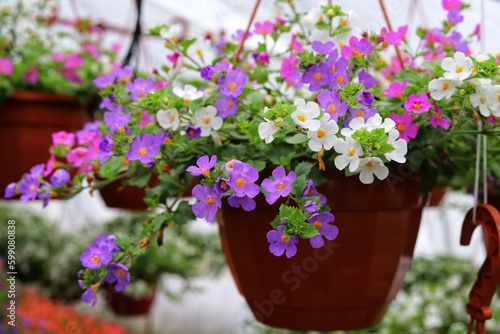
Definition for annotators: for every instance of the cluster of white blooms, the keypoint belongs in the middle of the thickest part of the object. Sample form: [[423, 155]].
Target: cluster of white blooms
[[322, 135], [460, 70], [204, 118]]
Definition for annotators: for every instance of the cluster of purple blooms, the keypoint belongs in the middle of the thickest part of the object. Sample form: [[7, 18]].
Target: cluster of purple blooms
[[237, 181], [99, 255]]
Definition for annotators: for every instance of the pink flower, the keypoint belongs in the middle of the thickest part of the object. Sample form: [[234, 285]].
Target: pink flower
[[6, 66], [396, 89], [31, 76], [77, 156], [58, 57], [394, 37], [264, 28], [64, 138], [116, 47], [50, 165], [404, 124], [92, 49], [417, 103], [295, 45], [438, 120], [74, 60], [451, 4]]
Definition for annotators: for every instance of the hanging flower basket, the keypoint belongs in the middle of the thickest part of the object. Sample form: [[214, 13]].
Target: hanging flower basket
[[349, 283], [27, 121]]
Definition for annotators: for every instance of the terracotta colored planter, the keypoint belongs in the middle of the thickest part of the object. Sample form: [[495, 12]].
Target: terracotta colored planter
[[123, 304], [436, 196], [346, 285], [27, 121], [115, 195]]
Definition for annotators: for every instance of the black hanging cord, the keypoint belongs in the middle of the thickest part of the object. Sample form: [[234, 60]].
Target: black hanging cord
[[134, 45]]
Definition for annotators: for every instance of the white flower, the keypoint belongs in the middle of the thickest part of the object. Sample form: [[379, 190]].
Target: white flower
[[375, 122], [206, 118], [324, 136], [441, 88], [168, 119], [369, 167], [201, 49], [319, 35], [350, 151], [400, 147], [313, 16], [172, 33], [483, 99], [305, 114], [478, 81], [188, 93], [494, 100], [459, 67], [357, 123], [267, 130]]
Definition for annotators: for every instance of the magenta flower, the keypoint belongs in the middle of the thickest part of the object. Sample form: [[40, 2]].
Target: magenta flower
[[396, 89], [404, 124], [116, 120], [317, 75], [143, 148], [119, 275], [418, 103], [193, 132], [264, 28], [73, 61], [394, 37], [208, 202], [77, 156], [321, 222], [281, 186], [242, 178], [140, 87], [262, 58], [51, 164], [246, 203], [60, 177], [232, 84], [288, 70], [438, 120], [204, 166], [31, 75], [64, 138], [226, 107], [280, 243], [174, 57], [451, 4], [6, 66], [333, 105]]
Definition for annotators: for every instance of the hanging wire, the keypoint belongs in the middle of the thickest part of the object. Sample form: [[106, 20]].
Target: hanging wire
[[134, 44]]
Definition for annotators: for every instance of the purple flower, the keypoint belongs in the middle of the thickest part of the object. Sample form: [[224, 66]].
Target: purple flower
[[338, 73], [63, 138], [281, 186], [221, 186], [238, 35], [365, 98], [310, 191], [242, 178], [317, 75], [366, 79], [321, 222], [105, 149], [207, 73], [116, 120], [119, 274], [89, 296], [280, 243], [311, 207], [246, 203], [209, 202], [226, 107], [108, 241], [104, 80], [10, 190], [37, 170], [143, 148], [360, 112], [140, 87], [321, 48], [232, 84], [45, 194], [193, 132], [60, 177], [95, 256], [332, 104], [28, 187], [204, 166]]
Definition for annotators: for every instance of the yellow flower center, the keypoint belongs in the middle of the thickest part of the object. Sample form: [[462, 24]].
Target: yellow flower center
[[321, 133], [482, 99], [333, 68], [351, 152], [459, 69], [121, 272], [317, 224], [172, 118], [417, 105], [96, 259], [400, 127], [331, 109], [301, 117], [199, 52], [206, 120], [369, 164], [240, 182], [230, 105], [360, 113], [281, 186], [340, 80], [232, 86], [210, 200], [143, 151], [446, 85], [318, 77], [285, 238]]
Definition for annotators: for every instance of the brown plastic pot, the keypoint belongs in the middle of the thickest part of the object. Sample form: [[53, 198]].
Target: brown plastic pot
[[346, 285], [27, 121], [123, 304], [115, 195], [436, 196]]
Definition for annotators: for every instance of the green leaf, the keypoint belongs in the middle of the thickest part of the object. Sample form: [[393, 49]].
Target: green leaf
[[140, 180], [157, 222], [297, 139], [308, 231], [123, 241], [299, 185], [111, 167]]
